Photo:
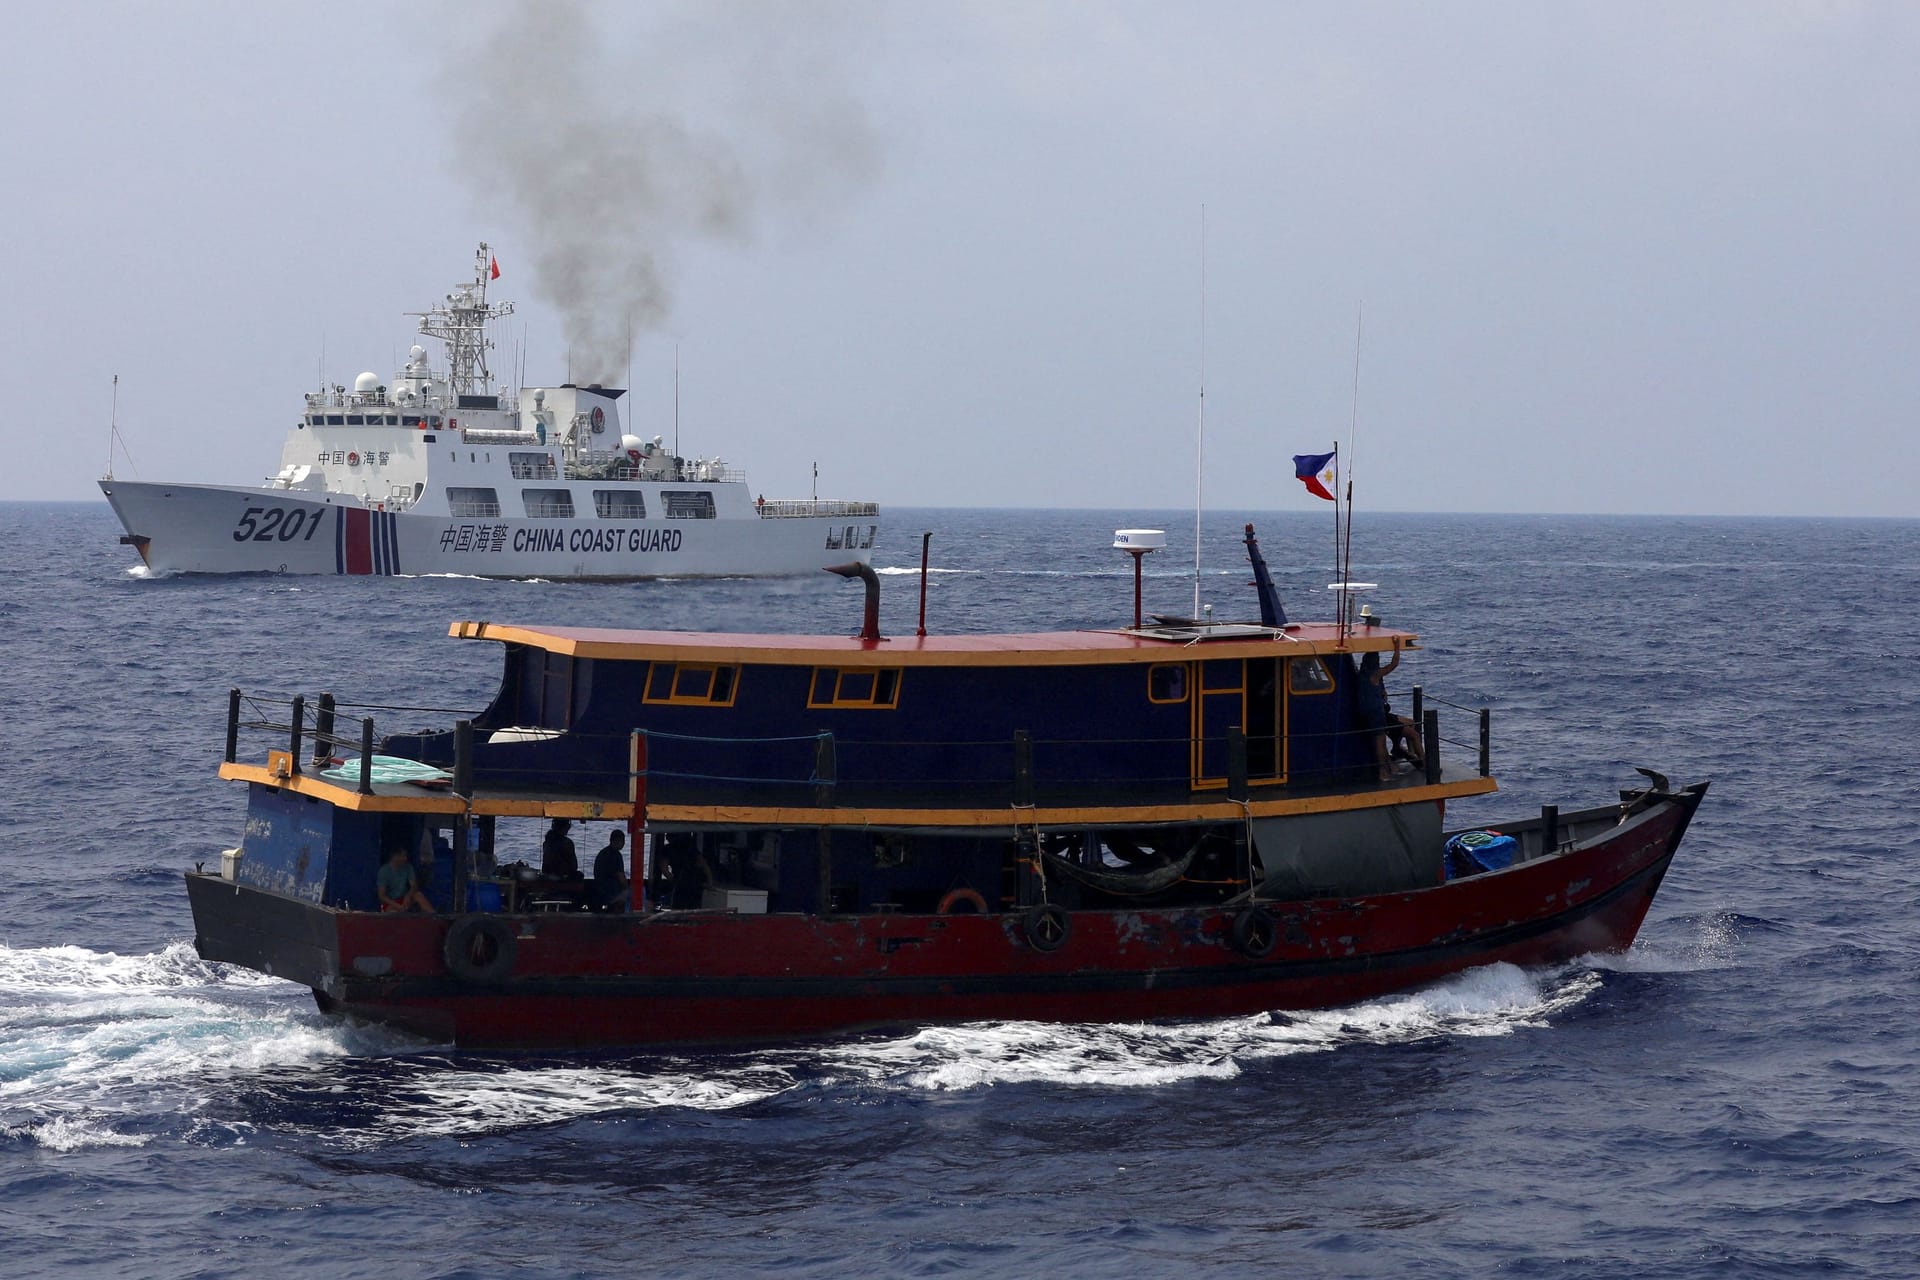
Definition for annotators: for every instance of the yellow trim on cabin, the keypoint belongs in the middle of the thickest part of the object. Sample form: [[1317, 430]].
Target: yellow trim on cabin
[[676, 670], [426, 802], [908, 651], [839, 701]]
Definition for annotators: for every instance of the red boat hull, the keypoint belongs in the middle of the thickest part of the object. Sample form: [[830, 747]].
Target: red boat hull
[[581, 980]]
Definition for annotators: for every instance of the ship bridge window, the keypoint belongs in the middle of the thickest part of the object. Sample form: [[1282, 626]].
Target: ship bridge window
[[548, 504], [1308, 675], [620, 504], [697, 684], [688, 504], [532, 466], [855, 687], [336, 419], [356, 420], [1167, 682], [463, 501]]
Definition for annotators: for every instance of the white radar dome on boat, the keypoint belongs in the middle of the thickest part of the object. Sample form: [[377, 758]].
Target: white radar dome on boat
[[416, 351], [366, 382], [1139, 539], [634, 443]]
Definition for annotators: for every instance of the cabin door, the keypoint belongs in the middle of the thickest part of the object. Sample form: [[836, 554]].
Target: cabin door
[[1244, 695]]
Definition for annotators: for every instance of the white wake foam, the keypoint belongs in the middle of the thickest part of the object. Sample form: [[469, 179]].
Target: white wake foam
[[88, 1038]]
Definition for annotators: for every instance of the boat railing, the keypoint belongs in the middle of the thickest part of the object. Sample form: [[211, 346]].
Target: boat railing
[[1426, 718], [796, 508], [828, 770]]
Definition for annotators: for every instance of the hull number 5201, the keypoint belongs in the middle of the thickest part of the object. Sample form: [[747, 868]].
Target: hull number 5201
[[265, 524]]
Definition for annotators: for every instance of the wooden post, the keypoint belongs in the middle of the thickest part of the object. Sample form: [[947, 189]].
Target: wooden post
[[925, 538], [1549, 828], [233, 725], [293, 739], [462, 860], [366, 756], [637, 868], [323, 731], [463, 759], [1419, 705], [1486, 741], [1430, 739]]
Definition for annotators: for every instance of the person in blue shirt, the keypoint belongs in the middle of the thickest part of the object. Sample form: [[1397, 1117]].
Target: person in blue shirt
[[397, 886]]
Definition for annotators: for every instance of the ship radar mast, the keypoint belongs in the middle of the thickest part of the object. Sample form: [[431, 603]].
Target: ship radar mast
[[461, 323]]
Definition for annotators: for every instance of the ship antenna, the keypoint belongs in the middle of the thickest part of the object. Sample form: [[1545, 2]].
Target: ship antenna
[[1200, 431], [1353, 431], [113, 424], [676, 403]]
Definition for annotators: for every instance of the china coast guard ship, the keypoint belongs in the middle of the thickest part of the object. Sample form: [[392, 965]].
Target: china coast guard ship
[[441, 471]]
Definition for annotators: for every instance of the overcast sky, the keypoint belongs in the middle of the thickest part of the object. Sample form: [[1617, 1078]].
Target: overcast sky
[[1610, 257]]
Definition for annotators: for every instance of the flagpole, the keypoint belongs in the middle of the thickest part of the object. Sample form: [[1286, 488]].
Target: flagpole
[[1200, 431]]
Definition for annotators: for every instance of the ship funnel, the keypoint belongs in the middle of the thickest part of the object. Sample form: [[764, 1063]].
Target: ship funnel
[[870, 622]]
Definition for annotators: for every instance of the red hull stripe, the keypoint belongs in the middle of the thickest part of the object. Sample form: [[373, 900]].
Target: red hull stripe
[[359, 540]]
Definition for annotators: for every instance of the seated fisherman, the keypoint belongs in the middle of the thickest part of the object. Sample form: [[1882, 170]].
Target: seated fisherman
[[609, 874], [557, 858], [396, 885]]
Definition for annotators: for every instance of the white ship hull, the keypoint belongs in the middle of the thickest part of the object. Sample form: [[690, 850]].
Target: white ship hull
[[191, 528]]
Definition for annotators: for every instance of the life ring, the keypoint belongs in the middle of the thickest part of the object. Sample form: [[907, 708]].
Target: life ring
[[969, 898], [1253, 933], [353, 459], [479, 948], [1046, 927]]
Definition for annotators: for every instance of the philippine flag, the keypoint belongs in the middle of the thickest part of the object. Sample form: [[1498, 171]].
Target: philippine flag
[[1319, 472]]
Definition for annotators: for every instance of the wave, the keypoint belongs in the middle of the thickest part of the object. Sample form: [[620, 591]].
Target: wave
[[456, 1098]]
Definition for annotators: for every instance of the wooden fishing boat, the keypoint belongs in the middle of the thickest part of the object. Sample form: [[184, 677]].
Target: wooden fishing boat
[[1174, 819]]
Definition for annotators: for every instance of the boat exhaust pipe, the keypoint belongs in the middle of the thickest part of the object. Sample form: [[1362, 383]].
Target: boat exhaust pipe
[[870, 623]]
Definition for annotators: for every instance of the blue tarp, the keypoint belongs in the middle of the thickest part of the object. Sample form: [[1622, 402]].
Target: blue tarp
[[1472, 852]]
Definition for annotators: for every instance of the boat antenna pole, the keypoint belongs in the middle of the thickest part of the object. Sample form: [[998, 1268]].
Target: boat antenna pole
[[1200, 431], [676, 404], [1353, 430]]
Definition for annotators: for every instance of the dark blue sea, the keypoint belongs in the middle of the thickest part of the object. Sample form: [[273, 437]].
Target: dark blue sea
[[1736, 1096]]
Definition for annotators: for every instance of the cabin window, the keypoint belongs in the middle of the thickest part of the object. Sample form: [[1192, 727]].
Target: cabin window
[[532, 466], [1167, 682], [553, 689], [688, 504], [874, 687], [335, 419], [620, 504], [867, 541], [833, 538], [698, 684], [472, 502], [356, 420], [548, 504], [1308, 675]]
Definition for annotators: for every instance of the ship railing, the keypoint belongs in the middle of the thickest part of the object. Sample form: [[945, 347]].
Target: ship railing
[[479, 435], [795, 508], [473, 509], [1427, 719], [313, 735], [826, 770]]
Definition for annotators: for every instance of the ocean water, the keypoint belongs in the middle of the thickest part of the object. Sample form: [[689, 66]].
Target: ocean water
[[1738, 1095]]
